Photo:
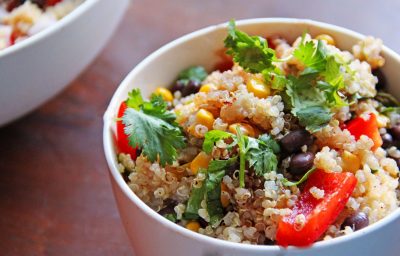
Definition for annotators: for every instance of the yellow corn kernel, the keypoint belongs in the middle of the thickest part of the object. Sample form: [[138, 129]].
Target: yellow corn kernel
[[258, 88], [351, 163], [246, 129], [224, 195], [164, 93], [200, 161], [205, 118], [327, 38], [193, 225], [208, 88]]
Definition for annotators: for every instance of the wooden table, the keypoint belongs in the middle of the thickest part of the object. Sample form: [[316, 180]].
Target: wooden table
[[55, 195]]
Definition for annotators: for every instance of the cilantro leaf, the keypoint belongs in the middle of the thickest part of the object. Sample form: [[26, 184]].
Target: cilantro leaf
[[261, 154], [194, 203], [287, 183], [211, 137], [308, 102], [195, 73], [157, 107], [313, 57], [251, 52], [135, 99], [152, 127], [210, 190], [216, 165], [314, 117], [213, 195]]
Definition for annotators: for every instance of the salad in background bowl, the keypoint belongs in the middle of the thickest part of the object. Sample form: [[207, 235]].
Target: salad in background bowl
[[291, 145], [22, 19], [41, 64]]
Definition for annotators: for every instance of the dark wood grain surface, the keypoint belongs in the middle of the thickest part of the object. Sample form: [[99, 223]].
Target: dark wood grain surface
[[55, 194]]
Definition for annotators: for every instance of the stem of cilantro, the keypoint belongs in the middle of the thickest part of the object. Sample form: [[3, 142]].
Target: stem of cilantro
[[242, 155], [242, 167]]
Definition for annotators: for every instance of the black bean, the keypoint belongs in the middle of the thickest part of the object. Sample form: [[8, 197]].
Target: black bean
[[294, 140], [178, 86], [301, 163], [169, 207], [356, 221], [381, 79], [387, 140], [395, 131], [203, 223], [190, 88]]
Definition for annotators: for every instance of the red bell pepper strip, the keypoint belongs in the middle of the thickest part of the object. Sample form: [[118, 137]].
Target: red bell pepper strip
[[358, 126], [52, 2], [122, 138], [318, 213]]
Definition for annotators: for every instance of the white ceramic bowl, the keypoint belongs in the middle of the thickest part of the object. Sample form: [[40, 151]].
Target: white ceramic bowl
[[37, 68], [150, 233]]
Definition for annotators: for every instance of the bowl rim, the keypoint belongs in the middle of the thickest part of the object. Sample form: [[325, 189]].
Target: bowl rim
[[108, 120], [69, 18]]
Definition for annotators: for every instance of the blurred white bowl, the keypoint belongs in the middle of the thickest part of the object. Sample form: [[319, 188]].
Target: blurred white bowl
[[37, 68], [150, 233]]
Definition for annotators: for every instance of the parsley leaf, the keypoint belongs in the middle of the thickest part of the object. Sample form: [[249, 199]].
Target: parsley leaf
[[287, 183], [195, 73], [151, 126]]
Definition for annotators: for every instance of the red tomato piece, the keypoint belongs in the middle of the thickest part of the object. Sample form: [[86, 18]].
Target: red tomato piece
[[358, 126], [122, 138], [318, 213]]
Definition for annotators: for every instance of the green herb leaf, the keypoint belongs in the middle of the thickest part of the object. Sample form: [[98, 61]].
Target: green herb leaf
[[251, 52], [151, 126], [171, 217], [288, 183], [213, 194], [194, 203], [313, 57], [314, 117], [261, 154], [217, 165], [135, 99], [308, 102], [157, 107], [211, 137], [196, 73], [270, 143]]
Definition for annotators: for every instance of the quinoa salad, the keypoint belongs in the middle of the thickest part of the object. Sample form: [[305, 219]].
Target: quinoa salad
[[289, 144], [20, 19]]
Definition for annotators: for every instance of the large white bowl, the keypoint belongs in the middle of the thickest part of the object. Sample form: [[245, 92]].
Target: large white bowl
[[150, 233], [34, 70]]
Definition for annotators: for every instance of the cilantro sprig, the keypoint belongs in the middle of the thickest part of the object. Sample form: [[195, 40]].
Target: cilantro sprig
[[253, 55], [313, 95], [261, 153], [150, 126]]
